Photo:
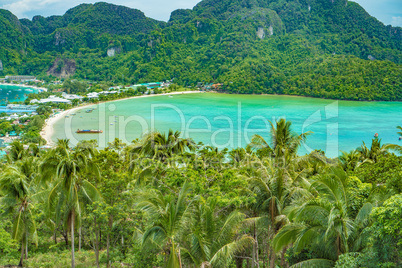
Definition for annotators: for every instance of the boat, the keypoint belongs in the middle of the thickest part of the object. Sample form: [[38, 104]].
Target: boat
[[88, 111], [376, 135], [400, 138], [88, 131]]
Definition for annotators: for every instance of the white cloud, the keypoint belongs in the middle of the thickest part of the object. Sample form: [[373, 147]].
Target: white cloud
[[384, 10], [158, 9], [21, 7], [396, 21]]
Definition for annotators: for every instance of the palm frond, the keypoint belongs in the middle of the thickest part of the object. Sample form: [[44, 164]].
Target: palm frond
[[322, 263]]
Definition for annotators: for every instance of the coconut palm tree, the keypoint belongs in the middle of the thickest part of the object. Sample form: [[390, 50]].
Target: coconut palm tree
[[324, 221], [215, 238], [282, 139], [17, 200], [377, 149], [274, 182], [396, 147], [162, 146], [170, 215], [351, 160], [70, 190], [16, 152]]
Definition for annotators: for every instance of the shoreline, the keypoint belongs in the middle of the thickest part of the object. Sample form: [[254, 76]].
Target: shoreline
[[302, 96], [41, 89], [48, 130]]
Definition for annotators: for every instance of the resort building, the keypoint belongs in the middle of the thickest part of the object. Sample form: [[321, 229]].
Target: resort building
[[93, 95], [54, 99], [17, 108], [71, 96], [108, 92], [151, 85], [22, 78]]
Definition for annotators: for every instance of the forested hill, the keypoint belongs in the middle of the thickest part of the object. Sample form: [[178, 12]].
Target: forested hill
[[321, 48]]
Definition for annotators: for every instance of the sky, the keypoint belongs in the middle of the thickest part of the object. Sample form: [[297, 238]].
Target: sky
[[387, 11]]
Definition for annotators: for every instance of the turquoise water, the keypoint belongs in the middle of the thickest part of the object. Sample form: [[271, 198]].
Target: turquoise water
[[14, 93], [230, 120]]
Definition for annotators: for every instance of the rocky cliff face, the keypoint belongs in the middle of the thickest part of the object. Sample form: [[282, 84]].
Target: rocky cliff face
[[113, 51], [62, 68]]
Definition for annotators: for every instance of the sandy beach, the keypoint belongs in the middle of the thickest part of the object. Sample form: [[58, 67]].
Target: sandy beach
[[48, 130]]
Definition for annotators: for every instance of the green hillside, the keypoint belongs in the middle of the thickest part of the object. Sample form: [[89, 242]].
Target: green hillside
[[331, 49]]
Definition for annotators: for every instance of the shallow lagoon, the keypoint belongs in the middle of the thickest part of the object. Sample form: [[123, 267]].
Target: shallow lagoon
[[14, 93], [224, 120]]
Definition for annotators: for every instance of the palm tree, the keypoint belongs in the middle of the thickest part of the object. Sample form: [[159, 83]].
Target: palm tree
[[396, 147], [17, 200], [214, 238], [282, 139], [170, 215], [16, 152], [351, 160], [274, 182], [324, 221], [69, 190], [376, 150], [161, 146], [117, 145]]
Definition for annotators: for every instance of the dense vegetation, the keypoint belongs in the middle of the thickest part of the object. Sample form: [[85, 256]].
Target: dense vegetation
[[166, 201], [330, 49]]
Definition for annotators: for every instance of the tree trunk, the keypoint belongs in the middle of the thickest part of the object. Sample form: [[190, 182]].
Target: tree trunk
[[79, 239], [22, 254], [72, 240], [179, 256], [256, 262], [96, 243], [65, 235], [108, 241], [272, 258], [239, 263], [54, 237], [268, 252], [338, 245], [26, 245], [283, 260]]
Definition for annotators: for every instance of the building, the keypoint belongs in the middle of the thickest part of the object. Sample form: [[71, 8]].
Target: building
[[108, 92], [54, 99], [151, 85], [21, 78], [72, 96], [92, 95], [17, 108]]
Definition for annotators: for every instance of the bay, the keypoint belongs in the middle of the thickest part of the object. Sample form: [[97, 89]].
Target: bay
[[14, 93], [224, 120]]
